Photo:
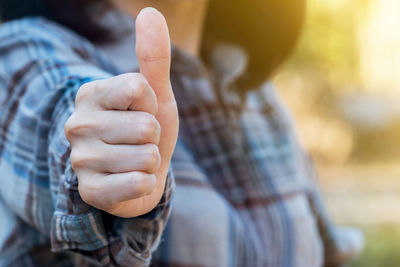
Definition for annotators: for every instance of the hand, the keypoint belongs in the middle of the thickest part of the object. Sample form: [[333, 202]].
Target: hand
[[124, 129]]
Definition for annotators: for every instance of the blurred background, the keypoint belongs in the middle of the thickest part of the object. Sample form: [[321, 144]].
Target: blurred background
[[343, 86]]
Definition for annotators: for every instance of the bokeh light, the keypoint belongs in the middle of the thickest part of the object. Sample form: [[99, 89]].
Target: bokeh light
[[343, 86]]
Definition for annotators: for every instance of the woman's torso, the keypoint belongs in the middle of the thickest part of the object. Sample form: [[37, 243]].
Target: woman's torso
[[242, 179]]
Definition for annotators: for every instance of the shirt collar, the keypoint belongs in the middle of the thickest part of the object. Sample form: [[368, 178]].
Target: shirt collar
[[226, 63]]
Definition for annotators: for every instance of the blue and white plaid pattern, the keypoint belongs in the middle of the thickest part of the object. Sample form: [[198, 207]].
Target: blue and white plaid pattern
[[245, 193]]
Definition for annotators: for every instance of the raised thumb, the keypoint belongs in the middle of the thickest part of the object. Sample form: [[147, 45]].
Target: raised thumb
[[153, 51]]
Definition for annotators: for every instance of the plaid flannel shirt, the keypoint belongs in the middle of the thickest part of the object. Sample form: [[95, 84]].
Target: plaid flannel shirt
[[245, 191]]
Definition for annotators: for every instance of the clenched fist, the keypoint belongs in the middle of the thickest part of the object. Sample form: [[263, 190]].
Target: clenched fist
[[124, 129]]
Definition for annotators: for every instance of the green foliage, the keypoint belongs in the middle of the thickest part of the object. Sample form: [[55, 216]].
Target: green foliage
[[382, 247]]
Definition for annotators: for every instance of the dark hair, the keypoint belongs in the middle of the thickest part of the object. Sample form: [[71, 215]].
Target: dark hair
[[266, 29], [74, 14]]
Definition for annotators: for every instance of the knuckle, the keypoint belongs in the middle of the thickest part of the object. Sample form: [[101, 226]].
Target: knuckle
[[131, 76], [76, 126], [84, 92], [152, 158], [80, 159], [76, 159], [68, 126], [143, 184], [88, 192], [136, 86], [150, 128]]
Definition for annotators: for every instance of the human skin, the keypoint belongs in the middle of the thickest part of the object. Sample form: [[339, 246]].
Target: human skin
[[124, 129], [185, 19]]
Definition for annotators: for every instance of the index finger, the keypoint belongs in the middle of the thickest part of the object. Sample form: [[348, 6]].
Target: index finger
[[128, 91]]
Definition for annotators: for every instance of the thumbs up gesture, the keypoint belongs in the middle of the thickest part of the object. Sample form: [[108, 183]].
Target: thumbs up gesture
[[124, 129]]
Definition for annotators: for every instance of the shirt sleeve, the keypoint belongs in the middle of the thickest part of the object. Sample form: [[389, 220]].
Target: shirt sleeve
[[40, 75], [79, 227], [335, 253]]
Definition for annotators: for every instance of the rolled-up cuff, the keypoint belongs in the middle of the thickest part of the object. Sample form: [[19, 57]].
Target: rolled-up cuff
[[103, 237]]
